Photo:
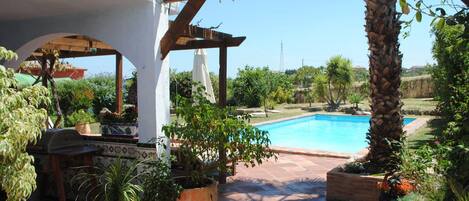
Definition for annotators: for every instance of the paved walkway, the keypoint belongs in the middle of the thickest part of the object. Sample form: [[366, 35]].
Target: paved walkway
[[291, 177]]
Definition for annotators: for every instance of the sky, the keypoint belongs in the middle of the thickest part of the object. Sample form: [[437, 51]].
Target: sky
[[312, 31]]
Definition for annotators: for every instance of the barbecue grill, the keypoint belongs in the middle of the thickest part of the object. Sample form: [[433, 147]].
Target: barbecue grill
[[61, 145]]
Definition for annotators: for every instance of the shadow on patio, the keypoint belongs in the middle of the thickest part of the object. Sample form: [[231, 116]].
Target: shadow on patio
[[259, 189]]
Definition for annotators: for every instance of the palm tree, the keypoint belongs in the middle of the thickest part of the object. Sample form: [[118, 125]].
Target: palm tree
[[383, 28]]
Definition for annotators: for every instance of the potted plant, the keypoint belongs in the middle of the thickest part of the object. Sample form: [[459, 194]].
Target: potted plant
[[81, 120], [210, 140], [120, 125]]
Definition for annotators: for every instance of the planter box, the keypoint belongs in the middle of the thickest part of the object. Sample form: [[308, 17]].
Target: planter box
[[120, 129], [352, 187], [208, 193]]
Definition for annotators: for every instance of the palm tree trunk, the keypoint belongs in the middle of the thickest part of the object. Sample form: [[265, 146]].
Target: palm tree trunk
[[383, 28]]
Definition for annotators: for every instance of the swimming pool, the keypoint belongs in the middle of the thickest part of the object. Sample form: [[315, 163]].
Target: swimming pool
[[333, 133]]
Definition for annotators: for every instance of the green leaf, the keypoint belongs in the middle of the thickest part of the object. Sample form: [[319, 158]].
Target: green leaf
[[418, 4], [418, 16], [404, 6]]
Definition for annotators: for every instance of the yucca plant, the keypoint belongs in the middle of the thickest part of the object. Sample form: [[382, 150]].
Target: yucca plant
[[117, 182]]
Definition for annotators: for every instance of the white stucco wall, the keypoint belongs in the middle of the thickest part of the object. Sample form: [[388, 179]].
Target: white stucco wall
[[134, 30]]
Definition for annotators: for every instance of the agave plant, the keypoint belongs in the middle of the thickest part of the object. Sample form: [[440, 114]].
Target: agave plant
[[117, 182]]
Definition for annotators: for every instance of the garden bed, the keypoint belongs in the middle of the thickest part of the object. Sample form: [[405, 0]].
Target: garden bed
[[353, 187]]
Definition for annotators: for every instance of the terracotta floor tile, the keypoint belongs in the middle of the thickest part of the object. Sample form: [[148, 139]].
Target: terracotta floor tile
[[291, 177]]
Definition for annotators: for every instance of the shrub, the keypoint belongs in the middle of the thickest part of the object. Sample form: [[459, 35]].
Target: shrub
[[104, 90], [282, 95], [354, 167], [21, 121], [80, 117], [451, 77], [320, 87], [355, 99], [129, 115], [74, 95], [253, 86], [158, 183], [213, 134]]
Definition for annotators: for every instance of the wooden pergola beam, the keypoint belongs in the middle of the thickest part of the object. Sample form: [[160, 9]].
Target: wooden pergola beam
[[73, 54], [177, 27], [205, 44], [172, 1]]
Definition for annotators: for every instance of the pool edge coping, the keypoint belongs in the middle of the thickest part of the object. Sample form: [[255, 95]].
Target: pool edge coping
[[409, 129]]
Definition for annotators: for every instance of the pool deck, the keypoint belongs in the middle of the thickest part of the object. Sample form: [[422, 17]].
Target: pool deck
[[291, 177], [409, 130], [298, 174]]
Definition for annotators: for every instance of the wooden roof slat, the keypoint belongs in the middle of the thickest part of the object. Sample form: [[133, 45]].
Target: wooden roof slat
[[172, 1], [204, 33], [204, 44], [182, 21], [73, 54]]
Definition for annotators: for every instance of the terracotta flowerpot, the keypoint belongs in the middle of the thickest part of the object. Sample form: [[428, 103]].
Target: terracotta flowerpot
[[83, 128], [207, 193]]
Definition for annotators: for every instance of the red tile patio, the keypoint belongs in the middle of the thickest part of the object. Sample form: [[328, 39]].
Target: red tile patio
[[291, 177]]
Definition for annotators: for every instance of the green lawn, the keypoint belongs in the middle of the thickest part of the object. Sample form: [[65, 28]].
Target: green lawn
[[422, 104], [425, 134]]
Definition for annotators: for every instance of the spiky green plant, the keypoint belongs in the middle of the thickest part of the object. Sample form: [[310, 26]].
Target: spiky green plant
[[117, 182]]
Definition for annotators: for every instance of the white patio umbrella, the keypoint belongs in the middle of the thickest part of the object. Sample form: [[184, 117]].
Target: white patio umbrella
[[201, 74]]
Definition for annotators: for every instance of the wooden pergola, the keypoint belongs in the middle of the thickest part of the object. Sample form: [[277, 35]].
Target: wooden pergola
[[181, 35]]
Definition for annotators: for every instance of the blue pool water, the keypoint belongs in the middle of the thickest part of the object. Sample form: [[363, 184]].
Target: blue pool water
[[334, 133]]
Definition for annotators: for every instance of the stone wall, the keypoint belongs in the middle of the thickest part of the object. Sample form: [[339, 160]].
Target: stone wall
[[417, 87]]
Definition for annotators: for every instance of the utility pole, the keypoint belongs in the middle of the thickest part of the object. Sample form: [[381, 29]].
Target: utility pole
[[281, 67]]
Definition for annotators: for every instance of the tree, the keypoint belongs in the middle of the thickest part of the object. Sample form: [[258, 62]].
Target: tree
[[440, 12], [249, 86], [385, 134], [333, 84], [21, 121], [304, 76], [180, 84]]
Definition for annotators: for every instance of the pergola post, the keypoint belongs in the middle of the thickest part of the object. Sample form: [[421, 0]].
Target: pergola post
[[222, 76], [222, 103], [119, 79]]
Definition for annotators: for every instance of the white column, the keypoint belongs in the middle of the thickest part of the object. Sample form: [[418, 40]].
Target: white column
[[153, 91]]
